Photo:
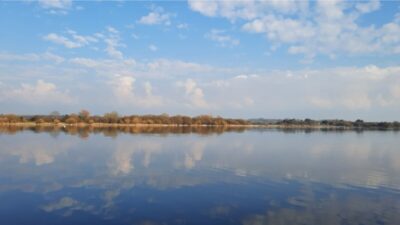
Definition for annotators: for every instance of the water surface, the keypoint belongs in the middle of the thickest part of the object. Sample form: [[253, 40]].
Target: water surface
[[199, 177]]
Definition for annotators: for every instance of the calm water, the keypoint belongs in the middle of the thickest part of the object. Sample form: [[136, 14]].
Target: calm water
[[247, 177]]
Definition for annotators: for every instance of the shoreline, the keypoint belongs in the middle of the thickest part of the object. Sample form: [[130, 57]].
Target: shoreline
[[143, 125]]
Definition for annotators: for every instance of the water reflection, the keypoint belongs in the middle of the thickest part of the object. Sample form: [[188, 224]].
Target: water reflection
[[246, 177], [85, 131]]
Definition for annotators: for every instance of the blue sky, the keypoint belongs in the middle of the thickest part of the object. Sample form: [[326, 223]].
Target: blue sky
[[273, 59]]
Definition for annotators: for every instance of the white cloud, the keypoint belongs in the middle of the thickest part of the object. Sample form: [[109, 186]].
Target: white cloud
[[106, 67], [353, 88], [55, 4], [62, 40], [173, 68], [323, 28], [40, 93], [208, 8], [193, 93], [221, 38], [19, 57], [123, 87], [32, 57], [156, 16], [159, 68], [246, 76], [320, 102], [152, 85], [53, 57], [148, 88], [113, 42], [245, 10], [368, 6], [182, 26], [135, 36], [84, 40], [111, 48], [75, 41], [153, 48], [285, 30], [338, 92], [112, 30], [111, 37]]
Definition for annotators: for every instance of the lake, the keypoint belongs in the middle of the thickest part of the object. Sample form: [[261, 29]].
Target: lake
[[162, 176]]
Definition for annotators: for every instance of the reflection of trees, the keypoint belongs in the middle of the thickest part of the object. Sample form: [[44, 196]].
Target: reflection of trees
[[113, 131]]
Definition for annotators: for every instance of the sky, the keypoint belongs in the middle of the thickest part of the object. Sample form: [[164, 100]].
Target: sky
[[247, 59]]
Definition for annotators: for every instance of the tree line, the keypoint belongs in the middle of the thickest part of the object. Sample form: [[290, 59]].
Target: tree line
[[85, 117], [357, 124]]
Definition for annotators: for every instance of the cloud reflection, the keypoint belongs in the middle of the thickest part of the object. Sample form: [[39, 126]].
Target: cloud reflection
[[68, 205]]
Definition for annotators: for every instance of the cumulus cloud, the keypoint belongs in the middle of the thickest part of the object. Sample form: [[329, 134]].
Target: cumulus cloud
[[123, 87], [356, 88], [74, 41], [322, 93], [193, 93], [58, 39], [324, 28], [368, 6], [55, 4], [112, 41], [110, 37], [346, 92], [245, 10], [155, 17], [40, 93], [285, 30], [208, 8], [221, 38], [56, 7], [111, 48]]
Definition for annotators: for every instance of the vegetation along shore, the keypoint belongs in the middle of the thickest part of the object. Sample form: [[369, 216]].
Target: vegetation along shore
[[113, 119]]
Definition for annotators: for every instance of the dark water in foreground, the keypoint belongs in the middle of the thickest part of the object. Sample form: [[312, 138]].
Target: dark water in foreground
[[249, 177]]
